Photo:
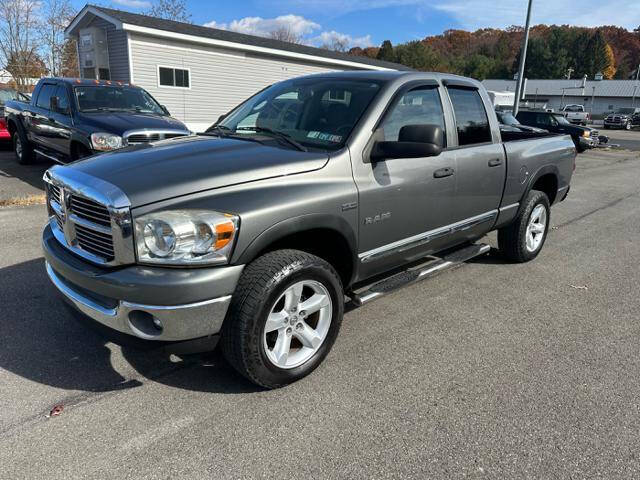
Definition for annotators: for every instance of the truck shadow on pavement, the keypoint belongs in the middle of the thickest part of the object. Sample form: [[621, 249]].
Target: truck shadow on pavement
[[29, 174], [40, 340]]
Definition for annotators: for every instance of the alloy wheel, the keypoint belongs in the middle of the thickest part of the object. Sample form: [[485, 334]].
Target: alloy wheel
[[297, 324], [18, 147], [536, 228]]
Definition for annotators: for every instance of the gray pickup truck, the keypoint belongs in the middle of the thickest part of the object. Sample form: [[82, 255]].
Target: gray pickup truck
[[314, 190]]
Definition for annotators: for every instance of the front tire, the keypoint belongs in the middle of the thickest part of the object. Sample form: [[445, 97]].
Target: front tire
[[627, 126], [284, 317], [522, 240], [22, 148]]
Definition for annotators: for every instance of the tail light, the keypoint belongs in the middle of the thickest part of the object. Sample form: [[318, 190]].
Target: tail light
[[3, 123]]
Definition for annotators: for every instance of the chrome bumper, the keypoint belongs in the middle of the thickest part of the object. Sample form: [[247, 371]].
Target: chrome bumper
[[149, 322]]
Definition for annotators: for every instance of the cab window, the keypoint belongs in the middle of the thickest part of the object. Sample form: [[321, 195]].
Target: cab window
[[63, 100], [44, 97], [419, 106], [472, 122]]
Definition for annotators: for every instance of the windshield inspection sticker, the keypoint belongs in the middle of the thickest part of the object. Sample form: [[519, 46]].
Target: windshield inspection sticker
[[327, 137]]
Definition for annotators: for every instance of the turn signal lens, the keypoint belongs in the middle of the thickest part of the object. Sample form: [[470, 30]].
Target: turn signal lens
[[224, 234]]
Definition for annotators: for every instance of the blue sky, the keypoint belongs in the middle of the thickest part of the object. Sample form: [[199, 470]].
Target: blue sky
[[369, 22]]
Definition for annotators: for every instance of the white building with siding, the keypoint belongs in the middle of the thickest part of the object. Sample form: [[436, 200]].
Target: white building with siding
[[598, 96], [198, 73]]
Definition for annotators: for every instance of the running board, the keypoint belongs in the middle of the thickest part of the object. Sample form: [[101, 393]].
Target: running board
[[414, 274]]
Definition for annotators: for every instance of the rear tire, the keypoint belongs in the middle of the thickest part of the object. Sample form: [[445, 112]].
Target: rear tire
[[284, 317], [22, 148], [522, 240]]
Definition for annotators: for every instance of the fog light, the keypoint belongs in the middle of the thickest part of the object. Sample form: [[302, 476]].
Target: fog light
[[157, 323]]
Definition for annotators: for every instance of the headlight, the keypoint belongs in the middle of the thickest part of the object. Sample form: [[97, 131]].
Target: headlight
[[105, 141], [586, 134], [185, 237]]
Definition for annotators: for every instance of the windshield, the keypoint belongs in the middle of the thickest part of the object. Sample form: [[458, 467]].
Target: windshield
[[507, 118], [314, 112], [562, 120], [626, 111], [98, 98], [7, 94]]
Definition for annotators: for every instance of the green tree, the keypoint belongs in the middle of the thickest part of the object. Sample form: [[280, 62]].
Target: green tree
[[479, 66], [417, 55], [599, 56], [386, 52]]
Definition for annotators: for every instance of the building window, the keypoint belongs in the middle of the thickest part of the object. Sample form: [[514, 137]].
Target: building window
[[173, 77], [104, 74]]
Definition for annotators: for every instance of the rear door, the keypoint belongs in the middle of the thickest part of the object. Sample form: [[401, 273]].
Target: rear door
[[481, 164], [41, 125]]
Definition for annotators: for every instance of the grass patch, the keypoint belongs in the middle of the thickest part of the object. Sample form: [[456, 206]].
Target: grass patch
[[34, 199]]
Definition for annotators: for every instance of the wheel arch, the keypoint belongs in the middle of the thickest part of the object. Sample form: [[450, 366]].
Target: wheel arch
[[328, 236], [545, 180]]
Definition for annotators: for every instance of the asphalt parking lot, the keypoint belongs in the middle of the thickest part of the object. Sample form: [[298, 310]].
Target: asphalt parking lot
[[488, 371]]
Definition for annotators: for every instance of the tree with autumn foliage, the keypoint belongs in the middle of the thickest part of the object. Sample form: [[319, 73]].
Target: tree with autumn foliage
[[554, 51]]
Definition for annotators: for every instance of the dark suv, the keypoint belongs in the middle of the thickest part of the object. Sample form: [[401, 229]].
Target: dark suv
[[583, 137]]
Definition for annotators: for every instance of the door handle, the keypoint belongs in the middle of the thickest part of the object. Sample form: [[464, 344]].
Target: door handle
[[443, 172], [496, 162]]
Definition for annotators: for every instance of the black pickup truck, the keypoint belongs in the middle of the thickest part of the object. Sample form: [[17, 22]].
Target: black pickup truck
[[68, 119], [583, 137]]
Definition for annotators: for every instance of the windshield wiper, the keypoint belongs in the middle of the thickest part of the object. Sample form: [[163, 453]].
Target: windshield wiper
[[280, 135], [218, 130]]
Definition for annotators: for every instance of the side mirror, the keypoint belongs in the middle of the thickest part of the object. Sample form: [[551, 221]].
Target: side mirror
[[414, 141], [53, 104]]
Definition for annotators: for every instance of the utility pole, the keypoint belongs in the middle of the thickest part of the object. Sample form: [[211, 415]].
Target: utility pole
[[523, 57]]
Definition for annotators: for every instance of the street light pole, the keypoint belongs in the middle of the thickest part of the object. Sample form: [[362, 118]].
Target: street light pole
[[523, 57]]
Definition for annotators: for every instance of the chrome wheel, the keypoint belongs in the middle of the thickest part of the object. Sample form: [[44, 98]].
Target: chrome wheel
[[18, 147], [536, 228], [297, 324]]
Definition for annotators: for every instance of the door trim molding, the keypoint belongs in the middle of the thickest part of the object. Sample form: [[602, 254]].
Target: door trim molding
[[425, 237]]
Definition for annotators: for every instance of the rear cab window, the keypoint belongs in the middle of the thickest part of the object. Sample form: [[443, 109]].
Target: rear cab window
[[472, 122], [44, 97]]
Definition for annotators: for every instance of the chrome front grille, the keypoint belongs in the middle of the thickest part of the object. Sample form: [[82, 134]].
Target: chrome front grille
[[95, 242], [89, 210], [146, 136], [89, 216]]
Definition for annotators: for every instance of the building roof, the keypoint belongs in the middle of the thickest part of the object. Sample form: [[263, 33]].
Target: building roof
[[573, 88], [190, 32]]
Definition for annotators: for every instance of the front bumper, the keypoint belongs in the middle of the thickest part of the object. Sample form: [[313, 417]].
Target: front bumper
[[587, 142], [150, 303], [612, 124]]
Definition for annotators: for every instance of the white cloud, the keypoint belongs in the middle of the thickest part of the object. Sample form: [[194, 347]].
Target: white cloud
[[296, 24], [331, 37], [138, 4], [300, 26], [473, 14]]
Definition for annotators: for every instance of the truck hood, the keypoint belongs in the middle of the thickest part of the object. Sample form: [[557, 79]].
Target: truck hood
[[120, 122], [171, 168]]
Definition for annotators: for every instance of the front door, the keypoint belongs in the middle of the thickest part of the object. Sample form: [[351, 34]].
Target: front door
[[61, 123], [404, 201]]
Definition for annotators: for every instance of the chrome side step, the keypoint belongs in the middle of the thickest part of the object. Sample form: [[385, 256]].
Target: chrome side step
[[433, 266], [45, 155]]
